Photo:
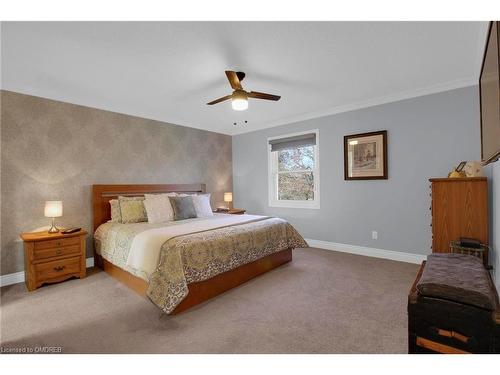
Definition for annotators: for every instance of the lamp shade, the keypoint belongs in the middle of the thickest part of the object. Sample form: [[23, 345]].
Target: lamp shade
[[53, 209], [228, 197]]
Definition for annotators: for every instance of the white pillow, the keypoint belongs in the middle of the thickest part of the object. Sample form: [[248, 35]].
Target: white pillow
[[202, 206], [158, 207]]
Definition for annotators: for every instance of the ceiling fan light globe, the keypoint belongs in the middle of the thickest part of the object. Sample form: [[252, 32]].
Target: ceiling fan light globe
[[239, 104], [239, 100]]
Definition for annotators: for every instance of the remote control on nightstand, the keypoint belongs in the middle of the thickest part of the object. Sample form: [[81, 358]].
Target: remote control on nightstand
[[71, 230]]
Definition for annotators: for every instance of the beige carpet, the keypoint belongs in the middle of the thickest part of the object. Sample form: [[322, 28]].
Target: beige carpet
[[322, 302]]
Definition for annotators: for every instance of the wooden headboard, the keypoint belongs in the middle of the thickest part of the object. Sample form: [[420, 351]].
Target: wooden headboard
[[102, 194]]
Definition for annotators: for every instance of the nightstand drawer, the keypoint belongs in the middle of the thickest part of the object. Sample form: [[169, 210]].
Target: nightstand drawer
[[56, 252], [57, 268], [57, 243]]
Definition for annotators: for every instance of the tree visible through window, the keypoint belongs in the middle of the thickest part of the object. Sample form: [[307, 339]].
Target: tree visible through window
[[296, 174], [294, 170]]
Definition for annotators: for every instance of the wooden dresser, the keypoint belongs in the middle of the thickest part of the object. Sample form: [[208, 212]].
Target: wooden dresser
[[459, 209], [50, 258]]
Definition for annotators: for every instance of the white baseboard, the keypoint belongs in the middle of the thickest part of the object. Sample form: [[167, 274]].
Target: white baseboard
[[368, 251], [12, 278], [18, 277]]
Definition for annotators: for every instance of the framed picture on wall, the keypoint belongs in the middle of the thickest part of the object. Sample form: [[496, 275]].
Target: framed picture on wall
[[365, 156]]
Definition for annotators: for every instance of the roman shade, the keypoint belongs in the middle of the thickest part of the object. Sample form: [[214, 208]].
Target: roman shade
[[293, 142]]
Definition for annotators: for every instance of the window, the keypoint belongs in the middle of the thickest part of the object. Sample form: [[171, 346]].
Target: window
[[294, 170]]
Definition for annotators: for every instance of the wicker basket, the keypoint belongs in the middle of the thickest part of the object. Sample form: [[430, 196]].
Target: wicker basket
[[481, 252]]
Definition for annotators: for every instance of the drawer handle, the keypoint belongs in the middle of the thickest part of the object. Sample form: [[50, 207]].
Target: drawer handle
[[59, 243], [59, 268], [59, 252], [453, 334]]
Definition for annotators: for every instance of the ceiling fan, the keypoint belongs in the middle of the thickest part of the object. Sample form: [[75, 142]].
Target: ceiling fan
[[239, 97]]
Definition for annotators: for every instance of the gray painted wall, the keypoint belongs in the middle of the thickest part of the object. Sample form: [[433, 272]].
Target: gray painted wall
[[493, 173], [54, 150], [427, 137]]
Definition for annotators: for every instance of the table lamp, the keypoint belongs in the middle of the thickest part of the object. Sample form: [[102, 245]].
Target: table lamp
[[53, 209], [228, 197]]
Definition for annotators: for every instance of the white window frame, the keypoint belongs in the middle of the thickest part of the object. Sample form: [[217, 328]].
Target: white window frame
[[272, 176]]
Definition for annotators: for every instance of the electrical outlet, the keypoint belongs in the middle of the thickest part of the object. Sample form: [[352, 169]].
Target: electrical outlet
[[374, 234]]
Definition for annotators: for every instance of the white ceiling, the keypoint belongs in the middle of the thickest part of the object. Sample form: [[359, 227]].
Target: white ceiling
[[167, 71]]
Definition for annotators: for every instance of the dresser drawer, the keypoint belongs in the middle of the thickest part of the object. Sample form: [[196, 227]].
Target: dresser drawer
[[56, 252], [57, 268], [57, 243]]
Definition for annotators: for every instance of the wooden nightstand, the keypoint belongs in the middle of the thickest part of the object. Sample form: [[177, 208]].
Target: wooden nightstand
[[50, 258]]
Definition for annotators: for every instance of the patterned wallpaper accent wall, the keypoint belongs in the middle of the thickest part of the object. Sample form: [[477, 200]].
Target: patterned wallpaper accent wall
[[52, 150]]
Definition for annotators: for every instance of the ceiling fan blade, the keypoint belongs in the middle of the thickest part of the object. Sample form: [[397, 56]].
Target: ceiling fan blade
[[234, 81], [262, 95], [219, 100]]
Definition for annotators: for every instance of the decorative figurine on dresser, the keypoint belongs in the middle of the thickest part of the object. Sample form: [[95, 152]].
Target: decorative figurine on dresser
[[53, 255]]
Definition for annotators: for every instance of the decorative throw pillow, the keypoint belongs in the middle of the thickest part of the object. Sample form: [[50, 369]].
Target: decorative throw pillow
[[202, 206], [132, 209], [116, 216], [183, 207], [158, 207]]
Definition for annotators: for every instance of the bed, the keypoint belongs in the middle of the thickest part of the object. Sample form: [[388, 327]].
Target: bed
[[178, 265]]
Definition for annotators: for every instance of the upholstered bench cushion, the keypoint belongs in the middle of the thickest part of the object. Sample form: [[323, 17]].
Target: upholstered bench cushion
[[457, 277]]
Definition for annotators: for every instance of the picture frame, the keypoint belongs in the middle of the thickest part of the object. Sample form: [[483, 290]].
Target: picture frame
[[365, 156]]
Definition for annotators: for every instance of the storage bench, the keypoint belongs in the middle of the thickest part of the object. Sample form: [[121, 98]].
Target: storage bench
[[453, 307]]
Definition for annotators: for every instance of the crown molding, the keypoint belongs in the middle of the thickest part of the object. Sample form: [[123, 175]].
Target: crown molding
[[404, 95]]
